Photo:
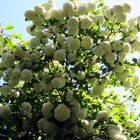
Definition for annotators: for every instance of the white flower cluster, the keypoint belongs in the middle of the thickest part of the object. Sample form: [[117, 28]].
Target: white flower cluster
[[26, 75], [102, 115], [76, 47], [5, 112], [47, 108], [61, 112], [47, 126], [26, 107], [115, 132], [58, 82]]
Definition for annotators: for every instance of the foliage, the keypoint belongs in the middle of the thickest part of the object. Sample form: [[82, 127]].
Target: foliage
[[60, 85]]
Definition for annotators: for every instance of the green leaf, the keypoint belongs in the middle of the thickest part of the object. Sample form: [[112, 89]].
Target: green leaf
[[9, 27], [17, 36], [9, 42]]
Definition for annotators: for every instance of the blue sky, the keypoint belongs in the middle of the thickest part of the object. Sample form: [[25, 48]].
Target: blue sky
[[12, 12]]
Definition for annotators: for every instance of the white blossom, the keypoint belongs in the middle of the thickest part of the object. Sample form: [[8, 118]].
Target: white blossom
[[102, 115], [26, 107], [26, 75], [73, 43], [5, 90], [39, 10], [110, 57], [117, 10], [117, 45], [68, 6], [30, 14], [126, 8], [91, 6], [47, 108], [62, 112], [59, 55], [58, 82], [49, 50], [86, 22], [61, 38], [87, 42], [49, 127], [82, 9]]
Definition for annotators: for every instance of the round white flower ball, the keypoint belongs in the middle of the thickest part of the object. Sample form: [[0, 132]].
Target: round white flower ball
[[99, 51], [82, 9], [108, 13], [40, 123], [86, 22], [73, 44], [68, 6], [13, 82], [49, 5], [75, 107], [16, 73], [49, 50], [71, 57], [91, 6], [126, 8], [57, 14], [30, 14], [34, 42], [58, 82], [62, 113], [73, 25], [102, 115], [39, 10], [26, 75], [122, 56], [5, 90], [49, 127], [73, 30], [122, 17], [26, 107], [59, 55], [87, 42], [117, 10], [9, 58], [6, 112], [110, 57], [99, 19], [61, 38], [47, 108], [117, 45], [72, 21], [105, 45], [19, 52]]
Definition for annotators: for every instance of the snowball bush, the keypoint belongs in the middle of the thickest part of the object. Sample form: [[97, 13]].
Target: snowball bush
[[62, 83]]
